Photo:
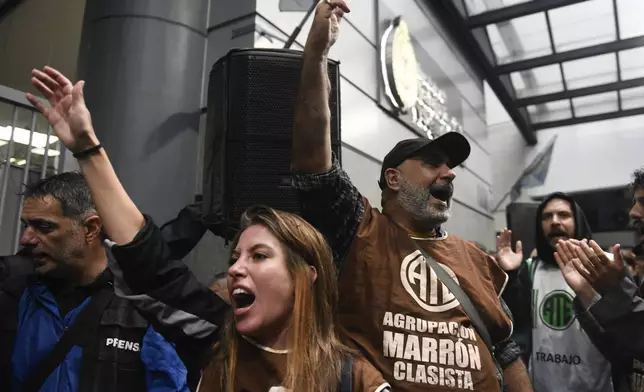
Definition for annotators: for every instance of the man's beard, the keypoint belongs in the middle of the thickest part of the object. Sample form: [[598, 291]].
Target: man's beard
[[61, 264], [415, 200]]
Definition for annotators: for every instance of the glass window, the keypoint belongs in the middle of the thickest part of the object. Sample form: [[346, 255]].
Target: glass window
[[583, 24], [478, 6], [595, 104], [632, 98], [590, 71], [520, 38], [629, 16], [631, 63], [537, 81], [551, 111]]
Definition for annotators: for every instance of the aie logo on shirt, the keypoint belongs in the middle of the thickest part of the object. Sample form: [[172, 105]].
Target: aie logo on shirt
[[421, 282], [122, 344], [556, 310]]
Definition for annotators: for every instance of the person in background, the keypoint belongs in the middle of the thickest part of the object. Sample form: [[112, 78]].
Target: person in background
[[609, 303], [281, 281], [561, 356], [394, 308], [62, 241]]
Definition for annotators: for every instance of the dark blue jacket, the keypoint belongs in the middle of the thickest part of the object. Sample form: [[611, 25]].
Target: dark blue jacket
[[129, 355]]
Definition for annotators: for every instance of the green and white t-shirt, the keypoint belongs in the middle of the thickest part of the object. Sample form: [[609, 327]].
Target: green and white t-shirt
[[563, 357]]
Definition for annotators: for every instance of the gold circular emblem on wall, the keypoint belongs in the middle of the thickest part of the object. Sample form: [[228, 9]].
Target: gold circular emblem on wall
[[399, 65]]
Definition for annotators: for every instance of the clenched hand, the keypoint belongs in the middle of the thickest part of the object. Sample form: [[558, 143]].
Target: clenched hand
[[326, 26]]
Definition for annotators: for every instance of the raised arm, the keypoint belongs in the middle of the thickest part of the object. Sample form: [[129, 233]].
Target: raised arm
[[162, 289], [328, 199], [72, 123], [312, 118]]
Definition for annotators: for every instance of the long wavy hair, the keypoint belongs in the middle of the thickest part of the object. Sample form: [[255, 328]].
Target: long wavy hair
[[314, 361]]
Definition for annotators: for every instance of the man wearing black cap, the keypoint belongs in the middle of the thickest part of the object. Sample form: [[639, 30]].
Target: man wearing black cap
[[395, 308]]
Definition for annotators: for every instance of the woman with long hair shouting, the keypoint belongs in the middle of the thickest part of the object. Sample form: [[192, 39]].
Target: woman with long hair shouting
[[282, 287]]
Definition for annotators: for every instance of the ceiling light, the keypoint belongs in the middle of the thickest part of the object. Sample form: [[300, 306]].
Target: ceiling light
[[21, 136], [41, 151]]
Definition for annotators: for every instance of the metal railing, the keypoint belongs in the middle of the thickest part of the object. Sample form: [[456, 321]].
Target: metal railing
[[28, 152]]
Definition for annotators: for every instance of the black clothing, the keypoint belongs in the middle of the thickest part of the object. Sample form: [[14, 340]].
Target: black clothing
[[104, 368]]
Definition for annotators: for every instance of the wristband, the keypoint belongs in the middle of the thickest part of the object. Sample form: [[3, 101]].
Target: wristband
[[86, 153]]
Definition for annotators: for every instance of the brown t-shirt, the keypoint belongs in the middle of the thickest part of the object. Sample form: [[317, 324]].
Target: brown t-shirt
[[261, 369], [406, 322]]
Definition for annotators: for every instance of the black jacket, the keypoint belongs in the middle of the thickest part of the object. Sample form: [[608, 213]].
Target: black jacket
[[104, 368], [14, 265], [171, 298]]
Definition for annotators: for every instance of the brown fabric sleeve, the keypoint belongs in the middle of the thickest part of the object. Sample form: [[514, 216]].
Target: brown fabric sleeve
[[498, 276], [367, 379]]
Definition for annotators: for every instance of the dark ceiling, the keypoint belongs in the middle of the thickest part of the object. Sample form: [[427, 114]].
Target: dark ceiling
[[554, 63]]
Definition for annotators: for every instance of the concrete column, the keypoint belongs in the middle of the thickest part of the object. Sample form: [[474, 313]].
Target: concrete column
[[143, 65]]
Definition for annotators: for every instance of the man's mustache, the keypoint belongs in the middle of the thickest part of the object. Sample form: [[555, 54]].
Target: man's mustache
[[558, 233], [637, 225]]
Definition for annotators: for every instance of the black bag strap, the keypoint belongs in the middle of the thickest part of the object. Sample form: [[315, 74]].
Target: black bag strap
[[81, 333], [346, 377], [461, 296]]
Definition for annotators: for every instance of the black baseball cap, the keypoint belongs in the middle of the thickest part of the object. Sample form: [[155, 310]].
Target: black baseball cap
[[452, 144]]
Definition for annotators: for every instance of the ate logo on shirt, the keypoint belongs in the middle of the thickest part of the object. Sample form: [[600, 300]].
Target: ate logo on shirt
[[422, 284], [556, 310]]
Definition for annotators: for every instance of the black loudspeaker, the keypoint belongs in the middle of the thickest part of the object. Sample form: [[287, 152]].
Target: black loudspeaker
[[522, 220], [247, 157]]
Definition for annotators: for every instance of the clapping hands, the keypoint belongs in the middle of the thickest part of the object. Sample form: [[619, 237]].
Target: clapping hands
[[585, 265]]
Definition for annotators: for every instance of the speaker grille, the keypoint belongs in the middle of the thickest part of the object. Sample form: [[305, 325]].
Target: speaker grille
[[259, 175], [265, 93], [251, 101]]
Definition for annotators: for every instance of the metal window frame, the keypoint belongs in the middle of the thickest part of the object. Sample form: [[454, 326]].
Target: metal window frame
[[471, 30], [575, 54], [516, 11], [585, 119], [581, 92], [475, 46]]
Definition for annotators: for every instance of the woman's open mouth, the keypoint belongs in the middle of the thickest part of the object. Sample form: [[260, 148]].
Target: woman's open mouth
[[242, 300]]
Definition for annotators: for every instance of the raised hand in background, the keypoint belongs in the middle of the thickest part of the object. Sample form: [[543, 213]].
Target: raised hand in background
[[326, 26], [68, 115], [508, 259]]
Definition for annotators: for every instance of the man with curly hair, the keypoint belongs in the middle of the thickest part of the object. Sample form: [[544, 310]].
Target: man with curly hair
[[609, 304]]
